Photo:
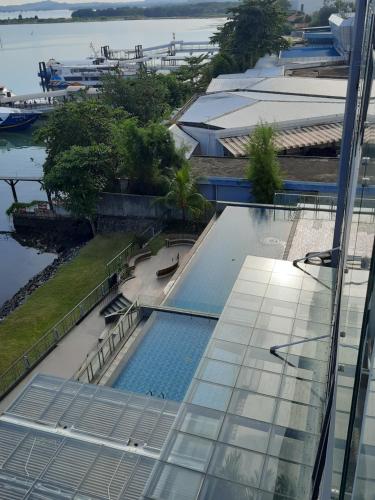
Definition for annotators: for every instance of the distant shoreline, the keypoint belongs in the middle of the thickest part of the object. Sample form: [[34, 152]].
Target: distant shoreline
[[52, 20]]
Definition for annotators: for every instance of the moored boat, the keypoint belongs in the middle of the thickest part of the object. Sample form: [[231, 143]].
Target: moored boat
[[13, 119]]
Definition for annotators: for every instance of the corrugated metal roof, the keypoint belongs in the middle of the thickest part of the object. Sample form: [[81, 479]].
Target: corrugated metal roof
[[314, 135], [62, 439]]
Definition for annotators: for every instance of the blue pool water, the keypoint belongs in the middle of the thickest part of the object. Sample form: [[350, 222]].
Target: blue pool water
[[309, 52], [206, 283], [166, 359]]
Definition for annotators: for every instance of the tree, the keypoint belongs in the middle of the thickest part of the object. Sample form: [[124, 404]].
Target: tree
[[82, 123], [79, 175], [147, 155], [145, 97], [182, 194], [264, 170], [254, 28], [321, 17]]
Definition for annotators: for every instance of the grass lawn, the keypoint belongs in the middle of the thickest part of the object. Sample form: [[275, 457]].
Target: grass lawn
[[49, 303]]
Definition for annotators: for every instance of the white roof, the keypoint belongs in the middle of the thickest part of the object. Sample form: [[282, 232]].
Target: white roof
[[328, 87], [183, 140], [244, 109]]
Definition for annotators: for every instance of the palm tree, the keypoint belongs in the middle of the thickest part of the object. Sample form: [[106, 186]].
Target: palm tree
[[182, 194], [264, 169]]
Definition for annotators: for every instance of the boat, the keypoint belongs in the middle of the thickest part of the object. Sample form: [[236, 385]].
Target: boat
[[13, 119], [167, 57], [89, 73]]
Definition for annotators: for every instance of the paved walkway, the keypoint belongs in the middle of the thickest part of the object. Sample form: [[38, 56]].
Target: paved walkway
[[69, 355]]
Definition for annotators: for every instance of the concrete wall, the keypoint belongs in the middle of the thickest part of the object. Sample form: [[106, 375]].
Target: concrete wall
[[239, 190], [130, 205]]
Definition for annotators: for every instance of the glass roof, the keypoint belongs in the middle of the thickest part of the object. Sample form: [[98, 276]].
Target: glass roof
[[250, 424]]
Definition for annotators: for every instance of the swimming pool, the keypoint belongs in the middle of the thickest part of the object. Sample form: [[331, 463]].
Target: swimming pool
[[208, 279], [165, 361], [301, 52]]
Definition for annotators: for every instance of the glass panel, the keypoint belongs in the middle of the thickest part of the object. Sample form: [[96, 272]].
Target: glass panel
[[303, 391], [259, 263], [188, 451], [210, 395], [252, 405], [286, 280], [263, 359], [275, 323], [174, 483], [293, 445], [231, 332], [250, 287], [267, 339], [240, 315], [306, 368], [298, 416], [226, 351], [217, 371], [282, 293], [251, 302], [316, 299], [200, 421], [258, 275], [286, 478], [309, 329], [311, 313], [220, 489], [316, 350], [279, 307], [237, 465], [245, 433], [259, 381]]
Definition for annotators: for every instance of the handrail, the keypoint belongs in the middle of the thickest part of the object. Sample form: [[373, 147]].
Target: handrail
[[110, 345], [49, 340]]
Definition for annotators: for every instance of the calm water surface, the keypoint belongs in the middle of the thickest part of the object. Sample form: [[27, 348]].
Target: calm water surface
[[22, 47]]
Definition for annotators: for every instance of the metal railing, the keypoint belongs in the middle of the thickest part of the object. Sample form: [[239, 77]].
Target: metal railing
[[25, 363], [117, 269], [110, 345], [120, 262], [321, 202]]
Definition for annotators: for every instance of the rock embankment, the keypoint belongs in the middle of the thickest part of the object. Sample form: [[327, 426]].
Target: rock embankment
[[36, 281]]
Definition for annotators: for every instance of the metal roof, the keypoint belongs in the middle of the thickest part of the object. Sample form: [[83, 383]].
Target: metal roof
[[63, 439], [183, 140], [324, 87], [314, 135]]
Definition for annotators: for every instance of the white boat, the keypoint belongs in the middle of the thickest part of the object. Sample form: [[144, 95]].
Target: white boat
[[89, 73]]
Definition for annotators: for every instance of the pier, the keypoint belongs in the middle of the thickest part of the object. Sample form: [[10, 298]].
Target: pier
[[12, 181], [176, 50], [44, 102]]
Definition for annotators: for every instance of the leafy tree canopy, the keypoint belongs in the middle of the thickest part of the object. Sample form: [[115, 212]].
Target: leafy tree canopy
[[147, 155], [254, 28], [321, 17], [148, 97], [79, 175], [264, 170], [80, 123]]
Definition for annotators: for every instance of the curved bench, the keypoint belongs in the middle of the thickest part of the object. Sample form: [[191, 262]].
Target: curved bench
[[139, 258], [163, 273], [179, 241]]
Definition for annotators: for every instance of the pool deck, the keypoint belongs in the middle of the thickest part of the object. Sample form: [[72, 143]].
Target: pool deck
[[70, 353]]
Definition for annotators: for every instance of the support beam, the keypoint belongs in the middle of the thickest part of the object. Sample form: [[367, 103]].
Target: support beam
[[12, 183]]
